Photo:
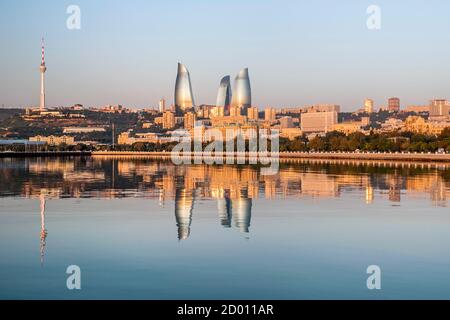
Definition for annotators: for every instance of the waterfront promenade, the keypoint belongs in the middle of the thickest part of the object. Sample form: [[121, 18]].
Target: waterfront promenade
[[408, 157], [413, 157]]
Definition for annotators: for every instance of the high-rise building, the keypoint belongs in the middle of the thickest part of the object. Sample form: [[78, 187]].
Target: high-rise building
[[189, 120], [318, 121], [270, 114], [439, 108], [242, 93], [42, 70], [184, 99], [162, 105], [224, 94], [368, 105], [394, 104], [218, 112], [253, 113], [168, 120], [235, 111]]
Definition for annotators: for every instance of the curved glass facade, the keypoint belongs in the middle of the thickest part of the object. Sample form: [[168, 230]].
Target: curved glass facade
[[224, 94], [242, 93], [184, 98]]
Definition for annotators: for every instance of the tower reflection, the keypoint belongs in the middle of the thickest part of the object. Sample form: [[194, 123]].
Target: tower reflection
[[224, 208], [184, 206], [242, 211], [43, 234], [238, 209]]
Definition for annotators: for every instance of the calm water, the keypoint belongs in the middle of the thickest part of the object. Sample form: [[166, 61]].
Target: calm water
[[146, 229]]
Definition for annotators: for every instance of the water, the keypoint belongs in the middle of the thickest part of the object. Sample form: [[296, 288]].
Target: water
[[146, 229]]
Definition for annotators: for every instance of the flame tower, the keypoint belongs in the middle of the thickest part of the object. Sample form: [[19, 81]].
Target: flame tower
[[184, 99], [42, 70]]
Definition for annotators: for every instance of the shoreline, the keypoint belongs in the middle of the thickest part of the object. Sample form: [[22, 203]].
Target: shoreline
[[395, 157]]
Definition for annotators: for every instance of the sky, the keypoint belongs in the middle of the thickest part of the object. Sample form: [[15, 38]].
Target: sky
[[298, 52]]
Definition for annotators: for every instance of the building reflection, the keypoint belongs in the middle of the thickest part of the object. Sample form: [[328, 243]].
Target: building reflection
[[184, 206], [233, 188]]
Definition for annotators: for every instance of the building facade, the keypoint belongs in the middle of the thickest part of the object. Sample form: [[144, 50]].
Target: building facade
[[242, 93], [184, 98], [394, 104], [318, 122], [224, 94]]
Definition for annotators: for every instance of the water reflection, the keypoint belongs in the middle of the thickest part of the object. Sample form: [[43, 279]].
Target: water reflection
[[43, 234], [234, 188]]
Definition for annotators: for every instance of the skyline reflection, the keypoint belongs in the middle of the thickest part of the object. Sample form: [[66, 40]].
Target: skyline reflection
[[234, 188]]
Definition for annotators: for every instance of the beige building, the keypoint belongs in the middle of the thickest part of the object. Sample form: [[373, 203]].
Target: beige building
[[347, 127], [368, 106], [439, 108], [54, 140], [270, 114], [231, 120], [253, 113], [420, 125], [189, 120], [83, 129], [352, 126], [217, 112], [235, 111], [318, 121], [290, 133], [126, 139], [168, 120], [417, 109]]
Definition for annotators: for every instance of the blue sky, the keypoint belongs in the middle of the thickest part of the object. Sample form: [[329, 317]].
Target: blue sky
[[298, 52]]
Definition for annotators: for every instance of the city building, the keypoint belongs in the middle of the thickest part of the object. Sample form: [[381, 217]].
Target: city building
[[228, 121], [270, 114], [322, 108], [218, 112], [224, 94], [318, 122], [242, 94], [162, 105], [286, 122], [253, 113], [75, 130], [290, 133], [350, 127], [168, 121], [235, 111], [54, 140], [418, 124], [114, 109], [184, 98], [368, 106], [418, 109], [394, 104], [392, 124], [439, 108], [189, 120], [125, 138]]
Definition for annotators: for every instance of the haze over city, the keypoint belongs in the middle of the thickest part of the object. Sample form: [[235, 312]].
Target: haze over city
[[297, 53]]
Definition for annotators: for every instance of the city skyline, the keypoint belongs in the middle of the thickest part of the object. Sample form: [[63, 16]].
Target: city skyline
[[333, 60]]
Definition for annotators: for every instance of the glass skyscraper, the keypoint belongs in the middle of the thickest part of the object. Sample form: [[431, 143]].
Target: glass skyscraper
[[242, 93], [224, 94], [184, 98]]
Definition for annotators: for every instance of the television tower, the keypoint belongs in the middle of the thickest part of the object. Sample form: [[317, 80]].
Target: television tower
[[42, 70]]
